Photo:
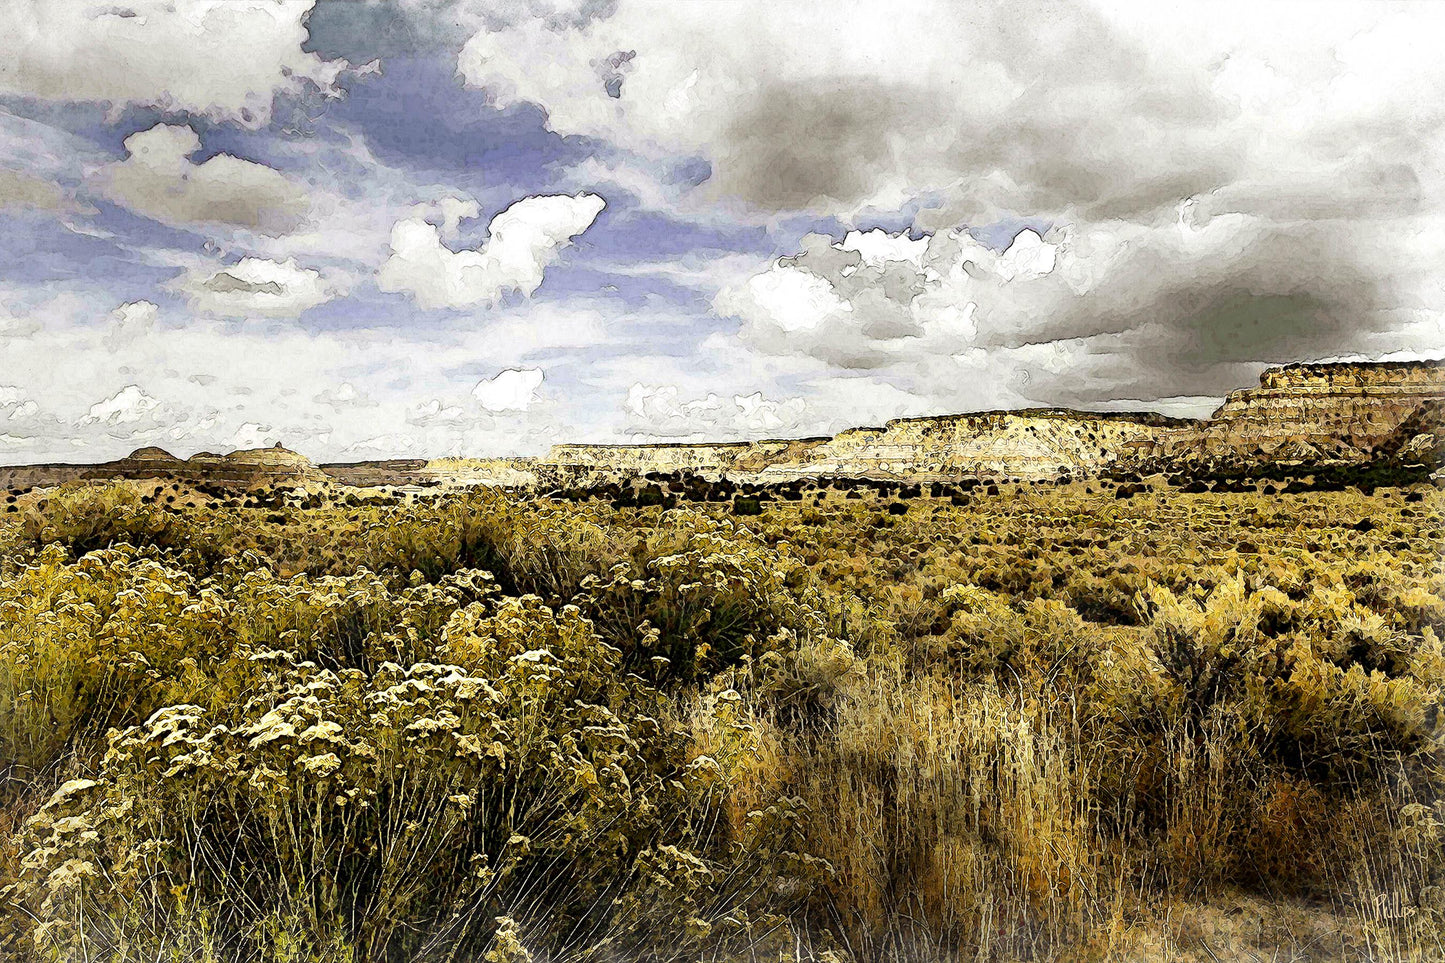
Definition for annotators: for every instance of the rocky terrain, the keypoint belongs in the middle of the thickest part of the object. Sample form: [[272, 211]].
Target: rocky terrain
[[1299, 417], [1306, 415], [1327, 414], [245, 469], [1028, 444], [428, 473], [580, 464]]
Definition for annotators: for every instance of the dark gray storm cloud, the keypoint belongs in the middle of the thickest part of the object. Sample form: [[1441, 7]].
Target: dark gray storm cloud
[[1218, 199]]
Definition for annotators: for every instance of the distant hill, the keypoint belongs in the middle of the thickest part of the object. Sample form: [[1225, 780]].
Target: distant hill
[[244, 469], [1305, 414], [1322, 415]]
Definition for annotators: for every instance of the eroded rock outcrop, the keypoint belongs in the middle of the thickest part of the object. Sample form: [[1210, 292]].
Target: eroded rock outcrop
[[1029, 444], [247, 468], [1037, 443], [571, 464], [1325, 414], [1305, 414]]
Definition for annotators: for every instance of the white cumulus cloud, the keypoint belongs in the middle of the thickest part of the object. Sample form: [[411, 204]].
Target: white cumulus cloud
[[513, 389], [877, 247], [129, 404], [256, 287], [788, 299], [434, 412], [343, 396], [660, 411], [223, 59], [132, 320], [524, 239], [253, 434]]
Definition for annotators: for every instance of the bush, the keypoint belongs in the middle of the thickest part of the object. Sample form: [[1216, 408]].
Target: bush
[[399, 815], [487, 726], [91, 517]]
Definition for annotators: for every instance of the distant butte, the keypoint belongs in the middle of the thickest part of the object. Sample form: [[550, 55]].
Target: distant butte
[[1302, 414], [1320, 415], [246, 468]]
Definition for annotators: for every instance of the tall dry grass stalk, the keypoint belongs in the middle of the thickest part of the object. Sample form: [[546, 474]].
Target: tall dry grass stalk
[[957, 822]]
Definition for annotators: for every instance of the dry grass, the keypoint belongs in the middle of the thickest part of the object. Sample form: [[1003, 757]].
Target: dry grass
[[1047, 725]]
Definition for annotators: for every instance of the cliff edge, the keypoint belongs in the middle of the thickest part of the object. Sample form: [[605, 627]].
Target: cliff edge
[[1319, 414], [1333, 414]]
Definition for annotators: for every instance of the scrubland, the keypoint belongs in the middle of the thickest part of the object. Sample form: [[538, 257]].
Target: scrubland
[[1044, 724]]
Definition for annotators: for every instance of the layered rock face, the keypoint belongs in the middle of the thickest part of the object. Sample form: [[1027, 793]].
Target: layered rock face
[[1306, 414], [1028, 444], [429, 473], [1328, 414], [503, 472], [1301, 415], [570, 464], [365, 474], [248, 468], [1039, 443]]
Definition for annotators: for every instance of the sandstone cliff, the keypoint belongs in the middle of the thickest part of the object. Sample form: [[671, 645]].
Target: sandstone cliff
[[575, 464], [1030, 444], [247, 468], [427, 473], [503, 472], [1305, 414], [1325, 414], [1037, 443], [366, 474]]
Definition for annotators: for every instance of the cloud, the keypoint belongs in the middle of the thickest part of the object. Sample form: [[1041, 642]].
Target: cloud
[[524, 239], [513, 389], [382, 446], [15, 327], [904, 299], [659, 411], [222, 60], [15, 406], [253, 434], [1304, 147], [20, 190], [344, 395], [1143, 310], [132, 320], [158, 180], [1002, 107], [126, 406], [816, 104], [877, 247], [789, 299], [24, 411], [434, 412], [256, 287]]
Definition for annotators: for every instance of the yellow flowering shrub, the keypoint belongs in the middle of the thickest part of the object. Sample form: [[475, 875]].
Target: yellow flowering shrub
[[328, 728]]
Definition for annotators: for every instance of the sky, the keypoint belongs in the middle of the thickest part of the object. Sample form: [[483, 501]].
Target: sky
[[415, 228]]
